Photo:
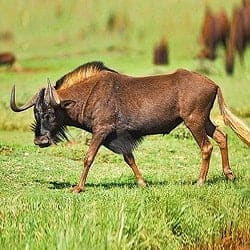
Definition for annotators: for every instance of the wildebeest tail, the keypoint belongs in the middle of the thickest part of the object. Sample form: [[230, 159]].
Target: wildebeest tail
[[231, 120]]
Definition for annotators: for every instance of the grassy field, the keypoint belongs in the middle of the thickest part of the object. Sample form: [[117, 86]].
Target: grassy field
[[37, 210]]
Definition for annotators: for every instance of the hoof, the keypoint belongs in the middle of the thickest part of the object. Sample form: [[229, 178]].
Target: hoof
[[76, 189], [141, 183], [230, 176], [200, 183]]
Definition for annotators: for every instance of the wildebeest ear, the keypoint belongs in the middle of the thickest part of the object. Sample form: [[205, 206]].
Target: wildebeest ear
[[67, 104]]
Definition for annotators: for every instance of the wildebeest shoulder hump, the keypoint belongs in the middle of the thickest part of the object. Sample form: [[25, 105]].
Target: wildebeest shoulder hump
[[81, 73]]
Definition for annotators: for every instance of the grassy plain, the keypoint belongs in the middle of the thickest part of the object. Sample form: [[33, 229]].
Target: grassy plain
[[37, 211]]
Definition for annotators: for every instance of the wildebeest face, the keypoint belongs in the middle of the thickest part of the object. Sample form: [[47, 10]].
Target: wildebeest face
[[48, 126]]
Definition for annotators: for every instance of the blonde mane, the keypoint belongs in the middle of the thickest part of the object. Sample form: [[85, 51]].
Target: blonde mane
[[81, 73]]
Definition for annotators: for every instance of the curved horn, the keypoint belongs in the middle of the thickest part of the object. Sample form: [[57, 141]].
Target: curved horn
[[51, 95], [13, 105]]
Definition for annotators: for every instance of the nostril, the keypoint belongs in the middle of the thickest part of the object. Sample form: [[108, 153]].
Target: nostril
[[41, 140], [44, 139]]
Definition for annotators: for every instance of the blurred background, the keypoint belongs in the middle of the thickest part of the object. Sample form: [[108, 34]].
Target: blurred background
[[97, 29]]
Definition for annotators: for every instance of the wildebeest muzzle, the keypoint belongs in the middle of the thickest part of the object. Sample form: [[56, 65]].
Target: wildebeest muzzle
[[42, 141]]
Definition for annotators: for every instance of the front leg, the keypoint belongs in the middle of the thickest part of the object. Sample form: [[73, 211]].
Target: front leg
[[95, 144]]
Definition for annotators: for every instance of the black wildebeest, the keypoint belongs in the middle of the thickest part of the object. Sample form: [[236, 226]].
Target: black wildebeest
[[239, 35], [119, 110], [215, 31]]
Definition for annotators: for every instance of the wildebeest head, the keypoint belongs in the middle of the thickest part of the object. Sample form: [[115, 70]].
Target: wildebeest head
[[48, 126]]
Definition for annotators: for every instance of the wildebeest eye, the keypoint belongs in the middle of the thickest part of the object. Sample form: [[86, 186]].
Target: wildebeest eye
[[51, 118], [50, 110]]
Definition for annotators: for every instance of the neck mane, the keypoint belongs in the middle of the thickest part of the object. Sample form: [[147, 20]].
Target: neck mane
[[80, 74]]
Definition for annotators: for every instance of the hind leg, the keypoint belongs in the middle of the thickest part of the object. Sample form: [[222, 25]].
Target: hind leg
[[206, 151], [199, 133], [129, 159], [221, 140]]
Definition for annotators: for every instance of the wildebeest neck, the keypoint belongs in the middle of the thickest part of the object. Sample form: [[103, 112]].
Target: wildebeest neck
[[79, 114]]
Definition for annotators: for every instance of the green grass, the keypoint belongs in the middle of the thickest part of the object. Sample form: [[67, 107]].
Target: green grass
[[37, 210]]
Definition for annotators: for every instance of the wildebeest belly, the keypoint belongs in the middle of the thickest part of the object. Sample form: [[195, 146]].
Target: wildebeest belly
[[161, 127], [153, 120], [138, 117], [125, 140], [122, 142]]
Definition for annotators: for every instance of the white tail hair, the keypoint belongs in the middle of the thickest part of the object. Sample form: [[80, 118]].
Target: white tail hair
[[231, 120]]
